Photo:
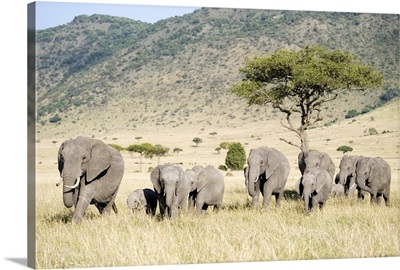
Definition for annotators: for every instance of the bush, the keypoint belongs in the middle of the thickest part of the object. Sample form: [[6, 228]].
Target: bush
[[116, 146], [236, 157], [372, 131], [351, 114], [344, 149], [55, 119], [222, 168]]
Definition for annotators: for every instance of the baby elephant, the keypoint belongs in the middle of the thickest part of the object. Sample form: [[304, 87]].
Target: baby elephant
[[314, 187], [143, 198]]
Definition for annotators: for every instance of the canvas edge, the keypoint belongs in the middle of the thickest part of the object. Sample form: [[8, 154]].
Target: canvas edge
[[31, 136]]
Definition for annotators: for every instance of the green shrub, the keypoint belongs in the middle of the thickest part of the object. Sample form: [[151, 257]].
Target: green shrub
[[55, 119], [344, 149], [222, 168], [116, 146], [351, 114], [372, 131], [236, 157]]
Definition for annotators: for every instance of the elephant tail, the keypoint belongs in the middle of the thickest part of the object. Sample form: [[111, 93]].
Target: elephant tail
[[114, 207]]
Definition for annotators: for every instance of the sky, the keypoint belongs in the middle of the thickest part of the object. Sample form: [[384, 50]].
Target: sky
[[55, 13], [51, 14]]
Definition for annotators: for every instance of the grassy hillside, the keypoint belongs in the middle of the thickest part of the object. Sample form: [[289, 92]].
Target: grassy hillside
[[99, 75]]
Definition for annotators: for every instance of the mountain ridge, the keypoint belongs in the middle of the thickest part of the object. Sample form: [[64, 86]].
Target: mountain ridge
[[177, 70]]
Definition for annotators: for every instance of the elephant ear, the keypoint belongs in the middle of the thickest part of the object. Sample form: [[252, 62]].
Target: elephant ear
[[143, 199], [182, 177], [100, 160], [203, 180], [373, 170], [155, 179], [60, 160], [299, 186], [320, 181], [272, 162], [300, 161]]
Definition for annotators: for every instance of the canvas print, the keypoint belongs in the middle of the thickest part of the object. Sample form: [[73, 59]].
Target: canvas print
[[164, 135]]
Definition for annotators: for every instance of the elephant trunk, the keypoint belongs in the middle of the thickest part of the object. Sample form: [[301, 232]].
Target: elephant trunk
[[343, 177], [252, 179], [71, 182], [307, 198], [361, 184], [169, 194]]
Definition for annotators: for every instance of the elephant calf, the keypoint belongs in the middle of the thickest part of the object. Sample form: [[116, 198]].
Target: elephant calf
[[143, 198], [315, 186], [206, 188]]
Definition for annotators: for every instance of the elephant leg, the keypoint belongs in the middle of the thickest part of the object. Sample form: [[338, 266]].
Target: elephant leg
[[199, 206], [191, 202], [360, 194], [173, 211], [314, 203], [255, 199], [81, 206], [162, 205], [216, 208], [108, 207], [374, 198], [386, 198], [278, 198], [267, 192], [204, 209]]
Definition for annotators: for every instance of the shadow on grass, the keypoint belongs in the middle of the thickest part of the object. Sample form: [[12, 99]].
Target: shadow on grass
[[66, 217], [61, 217], [291, 195]]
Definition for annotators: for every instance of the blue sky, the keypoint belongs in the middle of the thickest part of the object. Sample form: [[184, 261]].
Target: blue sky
[[51, 14]]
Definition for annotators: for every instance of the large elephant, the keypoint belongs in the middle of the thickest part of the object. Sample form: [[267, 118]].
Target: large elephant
[[172, 188], [373, 175], [347, 174], [92, 172], [207, 188], [142, 199], [266, 172], [316, 159], [315, 186]]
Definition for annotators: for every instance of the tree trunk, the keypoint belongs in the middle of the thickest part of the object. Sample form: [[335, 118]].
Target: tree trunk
[[304, 141]]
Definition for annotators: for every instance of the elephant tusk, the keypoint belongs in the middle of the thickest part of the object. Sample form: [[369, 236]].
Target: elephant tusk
[[76, 184], [57, 184], [352, 186], [257, 179]]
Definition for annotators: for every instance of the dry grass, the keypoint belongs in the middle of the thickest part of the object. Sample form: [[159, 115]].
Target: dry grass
[[345, 228]]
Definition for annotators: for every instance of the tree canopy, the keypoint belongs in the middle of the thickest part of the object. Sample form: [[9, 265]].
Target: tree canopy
[[301, 81]]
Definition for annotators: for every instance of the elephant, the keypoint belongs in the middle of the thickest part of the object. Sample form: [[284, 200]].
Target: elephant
[[315, 186], [373, 175], [172, 188], [347, 174], [207, 187], [142, 198], [267, 172], [315, 159], [92, 172], [337, 190]]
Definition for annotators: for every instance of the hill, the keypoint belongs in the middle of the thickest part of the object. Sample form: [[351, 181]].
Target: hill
[[102, 76]]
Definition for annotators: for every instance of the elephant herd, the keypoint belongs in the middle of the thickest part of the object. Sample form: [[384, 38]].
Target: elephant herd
[[92, 172]]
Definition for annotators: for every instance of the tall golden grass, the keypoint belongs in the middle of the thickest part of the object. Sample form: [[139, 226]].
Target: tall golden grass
[[344, 228]]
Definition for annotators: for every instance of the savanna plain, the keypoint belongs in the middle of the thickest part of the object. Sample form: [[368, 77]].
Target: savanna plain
[[344, 228]]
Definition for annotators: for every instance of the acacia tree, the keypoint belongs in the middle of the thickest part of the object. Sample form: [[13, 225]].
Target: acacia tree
[[301, 81], [143, 149], [177, 150], [159, 151]]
